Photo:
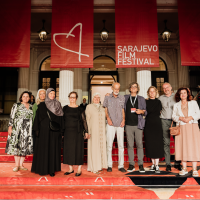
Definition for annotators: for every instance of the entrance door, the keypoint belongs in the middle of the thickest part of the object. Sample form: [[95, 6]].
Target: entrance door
[[158, 78], [101, 82]]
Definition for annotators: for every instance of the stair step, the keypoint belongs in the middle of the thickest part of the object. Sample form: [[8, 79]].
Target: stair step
[[3, 139], [3, 134], [2, 144]]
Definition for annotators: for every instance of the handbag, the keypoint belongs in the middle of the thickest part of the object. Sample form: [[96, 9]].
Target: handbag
[[175, 130], [54, 126]]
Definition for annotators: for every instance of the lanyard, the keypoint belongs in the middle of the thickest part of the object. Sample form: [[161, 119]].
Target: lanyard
[[134, 101]]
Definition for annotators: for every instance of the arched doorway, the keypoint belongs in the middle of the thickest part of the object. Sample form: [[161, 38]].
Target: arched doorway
[[159, 75], [49, 77], [102, 75]]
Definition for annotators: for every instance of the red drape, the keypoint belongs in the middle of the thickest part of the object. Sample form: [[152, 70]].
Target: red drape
[[136, 33], [189, 32], [15, 19], [72, 34]]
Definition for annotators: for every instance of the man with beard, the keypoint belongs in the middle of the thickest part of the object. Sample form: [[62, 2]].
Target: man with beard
[[114, 108]]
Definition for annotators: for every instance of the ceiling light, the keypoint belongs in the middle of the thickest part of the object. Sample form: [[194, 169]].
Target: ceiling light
[[166, 33], [104, 32]]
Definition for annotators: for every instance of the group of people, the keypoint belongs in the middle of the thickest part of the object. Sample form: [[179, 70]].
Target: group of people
[[38, 129]]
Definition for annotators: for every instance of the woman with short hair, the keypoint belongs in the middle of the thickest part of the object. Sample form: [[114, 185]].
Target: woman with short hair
[[153, 133], [186, 114], [20, 141], [96, 120], [75, 126], [47, 154]]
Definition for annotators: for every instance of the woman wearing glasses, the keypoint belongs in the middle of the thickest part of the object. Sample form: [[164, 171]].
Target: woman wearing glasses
[[75, 125]]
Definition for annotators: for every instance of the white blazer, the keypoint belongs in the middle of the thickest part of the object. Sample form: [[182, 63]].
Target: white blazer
[[193, 111]]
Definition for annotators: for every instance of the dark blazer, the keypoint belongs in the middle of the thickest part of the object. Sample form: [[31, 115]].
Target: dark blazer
[[141, 106]]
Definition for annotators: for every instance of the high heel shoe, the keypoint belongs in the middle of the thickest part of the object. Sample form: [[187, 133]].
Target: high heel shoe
[[78, 174], [52, 174], [67, 173]]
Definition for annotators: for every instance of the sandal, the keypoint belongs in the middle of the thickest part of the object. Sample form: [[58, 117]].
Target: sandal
[[23, 168], [183, 172], [195, 173], [15, 169]]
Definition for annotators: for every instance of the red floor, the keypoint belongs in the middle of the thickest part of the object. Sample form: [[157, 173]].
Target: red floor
[[114, 185]]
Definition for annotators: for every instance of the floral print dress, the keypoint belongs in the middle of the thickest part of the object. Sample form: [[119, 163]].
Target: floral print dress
[[20, 143]]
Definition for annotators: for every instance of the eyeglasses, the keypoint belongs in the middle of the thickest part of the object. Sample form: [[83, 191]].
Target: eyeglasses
[[72, 97], [133, 87]]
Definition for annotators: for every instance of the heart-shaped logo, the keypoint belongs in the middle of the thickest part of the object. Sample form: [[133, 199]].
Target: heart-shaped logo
[[69, 34]]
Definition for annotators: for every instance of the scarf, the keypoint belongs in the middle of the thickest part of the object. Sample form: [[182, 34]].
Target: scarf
[[53, 105]]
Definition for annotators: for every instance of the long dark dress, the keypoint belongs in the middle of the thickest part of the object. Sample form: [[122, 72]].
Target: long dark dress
[[75, 124], [153, 132], [47, 153]]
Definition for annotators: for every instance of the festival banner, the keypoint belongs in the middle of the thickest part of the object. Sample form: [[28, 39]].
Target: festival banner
[[189, 31], [136, 33], [15, 21], [72, 34]]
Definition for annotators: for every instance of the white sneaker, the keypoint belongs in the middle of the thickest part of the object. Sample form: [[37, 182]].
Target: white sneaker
[[195, 173], [183, 172], [152, 169], [157, 170]]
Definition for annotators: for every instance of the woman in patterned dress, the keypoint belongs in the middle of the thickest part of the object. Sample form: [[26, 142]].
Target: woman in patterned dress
[[20, 141], [95, 115]]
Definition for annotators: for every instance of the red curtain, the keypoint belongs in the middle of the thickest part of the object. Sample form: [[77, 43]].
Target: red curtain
[[189, 32], [15, 19], [72, 34], [136, 33]]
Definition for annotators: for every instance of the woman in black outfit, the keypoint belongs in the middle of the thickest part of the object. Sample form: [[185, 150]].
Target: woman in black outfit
[[75, 125], [47, 154], [153, 132]]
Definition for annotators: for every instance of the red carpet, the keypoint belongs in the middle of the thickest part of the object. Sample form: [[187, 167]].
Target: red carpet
[[114, 185], [106, 185]]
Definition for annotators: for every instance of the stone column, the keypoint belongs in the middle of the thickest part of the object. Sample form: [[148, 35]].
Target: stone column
[[78, 86], [23, 81], [33, 73], [66, 85], [144, 80], [130, 74], [183, 72]]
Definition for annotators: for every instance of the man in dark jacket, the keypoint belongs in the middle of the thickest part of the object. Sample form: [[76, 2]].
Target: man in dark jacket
[[135, 112], [84, 104]]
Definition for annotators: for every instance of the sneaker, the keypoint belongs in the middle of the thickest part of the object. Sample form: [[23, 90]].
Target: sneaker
[[109, 169], [183, 172], [168, 168], [141, 169], [131, 168], [122, 169], [157, 170], [195, 173], [152, 169]]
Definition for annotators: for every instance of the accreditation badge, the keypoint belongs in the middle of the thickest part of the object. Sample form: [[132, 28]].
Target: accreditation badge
[[133, 110]]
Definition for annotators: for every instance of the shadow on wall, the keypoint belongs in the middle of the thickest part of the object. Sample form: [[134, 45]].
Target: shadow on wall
[[4, 125]]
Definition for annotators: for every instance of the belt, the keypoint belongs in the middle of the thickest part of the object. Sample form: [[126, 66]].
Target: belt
[[168, 119]]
